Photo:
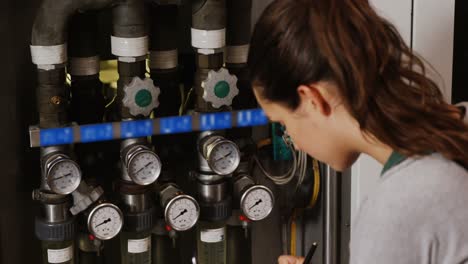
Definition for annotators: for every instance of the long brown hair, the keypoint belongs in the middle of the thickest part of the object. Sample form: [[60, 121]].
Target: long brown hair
[[383, 83]]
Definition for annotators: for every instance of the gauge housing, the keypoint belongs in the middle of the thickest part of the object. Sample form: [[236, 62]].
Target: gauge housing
[[95, 211]]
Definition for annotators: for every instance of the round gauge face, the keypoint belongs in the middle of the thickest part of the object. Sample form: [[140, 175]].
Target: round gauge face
[[144, 167], [224, 158], [105, 221], [257, 203], [64, 176], [182, 213]]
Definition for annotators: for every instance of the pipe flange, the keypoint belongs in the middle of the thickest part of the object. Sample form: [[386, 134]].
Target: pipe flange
[[63, 231], [140, 222], [141, 96], [219, 211], [220, 88]]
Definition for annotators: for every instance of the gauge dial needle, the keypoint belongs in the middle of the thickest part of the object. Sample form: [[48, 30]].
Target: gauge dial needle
[[257, 203], [223, 157], [181, 214], [105, 222], [149, 163], [66, 175]]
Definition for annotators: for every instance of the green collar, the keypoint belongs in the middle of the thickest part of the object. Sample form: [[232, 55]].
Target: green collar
[[395, 159]]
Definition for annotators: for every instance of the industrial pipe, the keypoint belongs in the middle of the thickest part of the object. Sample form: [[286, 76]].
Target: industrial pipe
[[209, 39], [49, 28], [239, 15], [163, 60], [330, 216], [84, 67], [130, 45], [49, 53]]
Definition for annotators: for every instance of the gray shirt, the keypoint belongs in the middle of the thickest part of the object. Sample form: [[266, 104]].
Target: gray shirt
[[417, 214]]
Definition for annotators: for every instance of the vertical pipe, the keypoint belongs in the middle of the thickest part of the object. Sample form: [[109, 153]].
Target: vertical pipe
[[55, 228], [164, 57], [163, 64], [130, 45], [84, 69], [209, 39], [239, 245], [330, 213], [163, 250], [52, 97], [135, 240], [239, 15]]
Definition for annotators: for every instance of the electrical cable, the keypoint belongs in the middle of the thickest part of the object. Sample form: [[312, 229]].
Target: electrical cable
[[284, 178], [316, 189], [299, 165]]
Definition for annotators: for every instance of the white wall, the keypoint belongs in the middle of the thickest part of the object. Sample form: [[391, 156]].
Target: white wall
[[433, 36], [433, 27]]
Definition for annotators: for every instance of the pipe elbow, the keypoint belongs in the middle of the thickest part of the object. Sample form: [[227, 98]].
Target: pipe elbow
[[51, 21]]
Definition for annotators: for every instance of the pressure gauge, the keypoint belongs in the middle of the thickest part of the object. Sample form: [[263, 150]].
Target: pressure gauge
[[222, 155], [143, 165], [182, 212], [105, 221], [63, 174], [257, 202]]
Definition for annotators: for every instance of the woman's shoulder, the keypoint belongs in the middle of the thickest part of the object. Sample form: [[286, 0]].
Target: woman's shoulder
[[425, 171], [429, 183], [421, 201]]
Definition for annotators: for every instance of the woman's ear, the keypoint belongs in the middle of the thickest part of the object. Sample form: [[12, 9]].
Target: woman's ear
[[310, 96]]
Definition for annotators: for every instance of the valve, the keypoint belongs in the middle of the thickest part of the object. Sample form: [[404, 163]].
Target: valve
[[220, 88], [141, 96]]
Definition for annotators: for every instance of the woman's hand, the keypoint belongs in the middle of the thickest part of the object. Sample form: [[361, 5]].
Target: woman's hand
[[290, 260]]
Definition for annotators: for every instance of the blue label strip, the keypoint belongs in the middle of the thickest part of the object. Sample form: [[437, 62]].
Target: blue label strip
[[135, 129], [144, 128], [96, 133], [254, 117], [56, 136], [175, 125], [216, 121]]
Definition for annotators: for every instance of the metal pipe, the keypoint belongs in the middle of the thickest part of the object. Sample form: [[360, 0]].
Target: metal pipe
[[208, 18], [164, 57], [128, 19], [136, 203], [130, 45], [237, 46], [52, 97], [55, 213], [48, 51], [49, 27], [209, 14], [239, 14], [330, 213], [84, 70], [212, 192], [164, 28]]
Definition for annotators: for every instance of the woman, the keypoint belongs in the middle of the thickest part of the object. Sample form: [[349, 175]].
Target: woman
[[343, 82]]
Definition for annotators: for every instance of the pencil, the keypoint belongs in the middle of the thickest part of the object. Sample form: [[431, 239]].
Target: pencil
[[311, 253]]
